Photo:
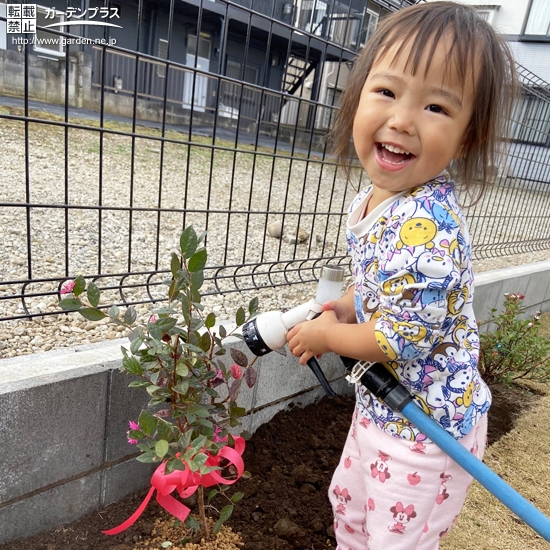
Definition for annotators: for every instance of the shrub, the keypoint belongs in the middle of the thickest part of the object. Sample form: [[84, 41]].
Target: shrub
[[514, 350], [175, 356]]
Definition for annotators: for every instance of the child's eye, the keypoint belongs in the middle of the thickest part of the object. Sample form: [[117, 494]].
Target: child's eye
[[387, 93], [436, 109]]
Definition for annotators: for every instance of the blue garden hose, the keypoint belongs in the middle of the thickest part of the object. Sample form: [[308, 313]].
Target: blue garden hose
[[378, 380]]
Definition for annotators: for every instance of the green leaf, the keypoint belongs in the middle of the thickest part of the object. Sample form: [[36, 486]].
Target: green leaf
[[225, 514], [161, 448], [147, 457], [132, 365], [200, 411], [130, 315], [199, 459], [147, 422], [198, 442], [93, 294], [212, 494], [210, 320], [164, 429], [135, 345], [237, 497], [70, 304], [113, 312], [152, 389], [138, 384], [165, 311], [135, 434], [238, 411], [240, 317], [92, 313], [197, 280], [201, 237], [188, 242], [222, 331], [197, 260], [175, 265], [154, 331], [172, 291], [79, 285], [253, 306], [166, 323], [182, 387], [205, 342], [182, 369], [192, 523]]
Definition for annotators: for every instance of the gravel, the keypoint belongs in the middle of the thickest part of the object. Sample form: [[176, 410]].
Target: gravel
[[279, 185]]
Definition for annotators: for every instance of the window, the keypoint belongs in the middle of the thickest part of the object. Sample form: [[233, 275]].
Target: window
[[538, 21], [311, 15], [487, 13], [370, 23], [45, 41], [162, 53], [531, 118], [354, 29], [333, 99]]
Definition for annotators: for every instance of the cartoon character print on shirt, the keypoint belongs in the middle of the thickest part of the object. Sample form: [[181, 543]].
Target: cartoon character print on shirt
[[401, 516], [424, 302], [467, 419], [380, 468], [401, 428], [343, 497], [457, 300]]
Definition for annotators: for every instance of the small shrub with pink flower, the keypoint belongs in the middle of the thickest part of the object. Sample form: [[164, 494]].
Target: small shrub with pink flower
[[514, 350], [176, 357]]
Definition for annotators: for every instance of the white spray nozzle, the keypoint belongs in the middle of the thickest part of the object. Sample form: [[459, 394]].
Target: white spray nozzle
[[330, 284]]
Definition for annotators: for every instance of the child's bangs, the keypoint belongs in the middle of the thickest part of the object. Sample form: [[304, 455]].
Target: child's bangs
[[419, 42]]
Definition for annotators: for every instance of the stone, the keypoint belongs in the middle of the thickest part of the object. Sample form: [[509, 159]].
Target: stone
[[275, 230]]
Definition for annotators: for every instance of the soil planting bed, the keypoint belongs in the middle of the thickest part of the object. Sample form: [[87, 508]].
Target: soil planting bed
[[291, 460]]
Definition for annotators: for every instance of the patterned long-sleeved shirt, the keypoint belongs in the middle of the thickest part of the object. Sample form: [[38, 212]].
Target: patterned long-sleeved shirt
[[412, 270]]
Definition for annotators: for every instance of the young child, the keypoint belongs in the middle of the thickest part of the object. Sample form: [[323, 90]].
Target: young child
[[431, 91]]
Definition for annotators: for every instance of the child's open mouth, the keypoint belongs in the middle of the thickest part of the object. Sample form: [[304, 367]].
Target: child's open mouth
[[393, 155]]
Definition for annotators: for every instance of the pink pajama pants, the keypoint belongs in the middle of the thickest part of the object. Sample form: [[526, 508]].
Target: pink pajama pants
[[392, 494]]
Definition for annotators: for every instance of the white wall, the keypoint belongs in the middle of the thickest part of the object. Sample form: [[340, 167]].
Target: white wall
[[508, 19]]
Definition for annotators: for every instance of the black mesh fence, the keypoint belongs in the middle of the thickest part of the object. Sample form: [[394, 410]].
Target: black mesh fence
[[118, 134]]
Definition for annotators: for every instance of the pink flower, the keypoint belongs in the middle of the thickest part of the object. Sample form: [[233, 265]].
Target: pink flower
[[216, 437], [133, 426], [152, 319], [67, 287], [236, 371]]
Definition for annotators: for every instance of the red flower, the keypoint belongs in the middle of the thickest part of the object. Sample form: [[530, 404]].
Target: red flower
[[236, 371]]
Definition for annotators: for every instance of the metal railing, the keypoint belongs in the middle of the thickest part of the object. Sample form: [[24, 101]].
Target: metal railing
[[107, 193]]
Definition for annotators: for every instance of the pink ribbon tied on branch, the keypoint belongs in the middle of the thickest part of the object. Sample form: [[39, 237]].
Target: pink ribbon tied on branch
[[186, 483]]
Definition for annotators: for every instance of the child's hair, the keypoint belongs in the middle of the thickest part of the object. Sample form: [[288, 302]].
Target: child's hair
[[475, 49]]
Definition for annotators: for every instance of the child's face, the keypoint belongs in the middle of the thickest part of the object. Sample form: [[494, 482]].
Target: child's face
[[409, 127]]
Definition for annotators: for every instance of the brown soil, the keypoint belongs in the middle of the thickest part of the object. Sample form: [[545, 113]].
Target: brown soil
[[291, 460]]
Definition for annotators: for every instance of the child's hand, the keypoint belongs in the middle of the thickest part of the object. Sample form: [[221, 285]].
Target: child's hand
[[308, 338], [340, 309]]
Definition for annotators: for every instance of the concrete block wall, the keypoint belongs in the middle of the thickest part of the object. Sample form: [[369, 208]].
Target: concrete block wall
[[64, 415]]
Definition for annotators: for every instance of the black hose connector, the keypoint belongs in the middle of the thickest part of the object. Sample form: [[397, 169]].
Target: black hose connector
[[382, 384]]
